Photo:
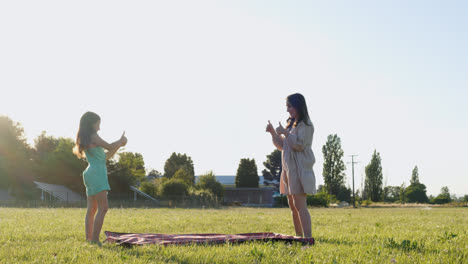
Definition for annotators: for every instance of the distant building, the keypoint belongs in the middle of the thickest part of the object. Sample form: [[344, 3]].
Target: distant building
[[230, 180]]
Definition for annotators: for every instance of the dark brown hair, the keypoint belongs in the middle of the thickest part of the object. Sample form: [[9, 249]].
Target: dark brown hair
[[86, 130], [297, 101]]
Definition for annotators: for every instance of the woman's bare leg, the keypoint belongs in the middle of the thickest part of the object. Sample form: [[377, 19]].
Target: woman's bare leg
[[295, 215], [300, 202], [89, 220], [102, 210]]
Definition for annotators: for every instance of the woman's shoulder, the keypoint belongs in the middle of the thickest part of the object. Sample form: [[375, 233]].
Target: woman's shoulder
[[306, 124], [94, 140]]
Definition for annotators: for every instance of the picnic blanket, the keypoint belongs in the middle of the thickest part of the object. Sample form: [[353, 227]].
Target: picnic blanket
[[183, 239]]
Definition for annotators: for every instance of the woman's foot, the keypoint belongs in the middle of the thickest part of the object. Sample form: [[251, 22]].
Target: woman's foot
[[95, 243]]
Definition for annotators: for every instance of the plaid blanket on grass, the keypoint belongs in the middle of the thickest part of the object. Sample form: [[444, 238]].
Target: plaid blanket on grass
[[183, 239]]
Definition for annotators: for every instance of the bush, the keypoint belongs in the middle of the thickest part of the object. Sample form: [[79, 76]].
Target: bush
[[281, 200], [202, 194], [321, 199], [208, 182], [174, 188], [441, 199], [149, 188]]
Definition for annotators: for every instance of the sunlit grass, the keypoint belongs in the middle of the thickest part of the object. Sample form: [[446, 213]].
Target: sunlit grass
[[401, 235]]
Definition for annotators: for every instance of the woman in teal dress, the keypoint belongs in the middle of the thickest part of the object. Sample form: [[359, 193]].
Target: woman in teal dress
[[90, 146]]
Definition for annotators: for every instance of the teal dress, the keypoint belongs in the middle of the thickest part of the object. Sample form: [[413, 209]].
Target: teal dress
[[95, 175]]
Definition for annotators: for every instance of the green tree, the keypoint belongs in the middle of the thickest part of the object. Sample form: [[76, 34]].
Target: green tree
[[154, 173], [15, 159], [402, 193], [344, 194], [44, 145], [178, 161], [120, 178], [272, 173], [465, 198], [55, 163], [247, 174], [391, 193], [333, 165], [184, 176], [374, 178], [445, 192], [128, 170], [415, 176], [135, 162], [4, 179], [416, 191], [208, 182], [321, 188]]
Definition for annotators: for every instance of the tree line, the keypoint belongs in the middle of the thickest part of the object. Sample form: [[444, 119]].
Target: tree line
[[373, 189], [51, 160]]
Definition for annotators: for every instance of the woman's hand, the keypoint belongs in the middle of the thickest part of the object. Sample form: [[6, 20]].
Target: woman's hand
[[123, 139], [280, 130], [114, 147], [270, 128]]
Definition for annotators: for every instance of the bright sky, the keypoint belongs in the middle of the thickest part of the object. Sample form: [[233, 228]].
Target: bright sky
[[204, 77]]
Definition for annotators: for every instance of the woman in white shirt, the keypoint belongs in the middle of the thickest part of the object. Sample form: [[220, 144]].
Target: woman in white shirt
[[297, 177]]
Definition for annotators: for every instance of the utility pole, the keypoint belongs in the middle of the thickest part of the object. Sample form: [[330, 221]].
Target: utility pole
[[352, 165]]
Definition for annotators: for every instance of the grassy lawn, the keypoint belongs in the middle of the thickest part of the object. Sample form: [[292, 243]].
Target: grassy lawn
[[386, 235]]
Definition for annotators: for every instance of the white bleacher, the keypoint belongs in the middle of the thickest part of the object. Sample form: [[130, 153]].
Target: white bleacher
[[58, 191]]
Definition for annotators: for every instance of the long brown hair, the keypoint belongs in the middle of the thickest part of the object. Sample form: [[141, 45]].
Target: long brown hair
[[297, 101], [86, 130]]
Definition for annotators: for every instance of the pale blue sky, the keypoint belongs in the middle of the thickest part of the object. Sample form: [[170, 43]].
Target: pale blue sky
[[203, 78]]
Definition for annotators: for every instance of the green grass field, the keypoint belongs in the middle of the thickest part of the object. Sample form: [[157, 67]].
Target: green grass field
[[390, 235]]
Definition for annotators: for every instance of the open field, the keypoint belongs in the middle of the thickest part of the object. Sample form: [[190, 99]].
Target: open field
[[370, 235]]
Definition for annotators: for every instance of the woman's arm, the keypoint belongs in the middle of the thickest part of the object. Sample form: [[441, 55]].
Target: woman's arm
[[277, 139], [112, 152], [302, 138], [111, 148]]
